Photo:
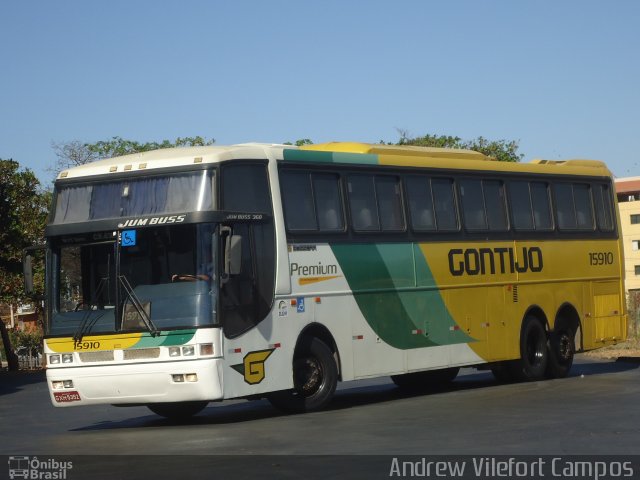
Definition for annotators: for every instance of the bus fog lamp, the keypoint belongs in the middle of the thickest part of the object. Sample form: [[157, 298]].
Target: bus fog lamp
[[174, 351], [178, 378], [191, 377], [67, 383], [67, 358], [54, 359], [188, 351], [206, 349]]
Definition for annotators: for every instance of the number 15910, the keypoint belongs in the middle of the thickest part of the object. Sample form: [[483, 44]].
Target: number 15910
[[600, 258]]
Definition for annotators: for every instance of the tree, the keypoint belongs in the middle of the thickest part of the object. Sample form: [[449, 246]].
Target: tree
[[74, 153], [23, 214], [502, 150]]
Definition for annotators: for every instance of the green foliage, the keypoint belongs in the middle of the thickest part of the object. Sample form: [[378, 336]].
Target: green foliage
[[31, 340], [74, 153], [502, 150], [118, 146], [23, 213], [300, 142], [633, 307]]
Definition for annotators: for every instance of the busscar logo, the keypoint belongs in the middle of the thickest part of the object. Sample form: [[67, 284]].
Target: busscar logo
[[252, 366], [148, 222], [37, 469]]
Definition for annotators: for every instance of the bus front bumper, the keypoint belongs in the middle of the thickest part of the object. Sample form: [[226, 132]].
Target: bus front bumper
[[140, 383]]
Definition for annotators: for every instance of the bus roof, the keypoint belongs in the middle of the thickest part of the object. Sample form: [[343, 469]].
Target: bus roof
[[334, 152]]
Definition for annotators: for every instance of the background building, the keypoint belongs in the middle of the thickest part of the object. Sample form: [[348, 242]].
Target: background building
[[628, 192]]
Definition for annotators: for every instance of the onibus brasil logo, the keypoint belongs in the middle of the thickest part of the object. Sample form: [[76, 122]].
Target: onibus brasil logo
[[36, 469]]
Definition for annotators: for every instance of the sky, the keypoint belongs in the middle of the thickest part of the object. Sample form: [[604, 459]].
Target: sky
[[560, 77]]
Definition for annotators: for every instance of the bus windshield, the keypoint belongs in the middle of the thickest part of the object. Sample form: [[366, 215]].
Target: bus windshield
[[160, 277]]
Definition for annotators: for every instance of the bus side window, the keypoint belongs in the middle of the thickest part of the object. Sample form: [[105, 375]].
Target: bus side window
[[584, 206], [495, 205], [326, 192], [444, 204], [362, 201], [520, 201], [602, 196], [472, 204], [297, 201], [389, 203], [541, 206], [420, 203]]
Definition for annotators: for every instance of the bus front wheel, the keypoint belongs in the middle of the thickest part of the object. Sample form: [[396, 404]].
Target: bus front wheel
[[177, 410], [315, 377]]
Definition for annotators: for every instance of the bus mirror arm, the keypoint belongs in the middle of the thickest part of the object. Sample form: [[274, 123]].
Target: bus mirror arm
[[27, 268]]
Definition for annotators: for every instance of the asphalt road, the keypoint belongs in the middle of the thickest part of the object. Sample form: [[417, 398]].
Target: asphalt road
[[594, 411]]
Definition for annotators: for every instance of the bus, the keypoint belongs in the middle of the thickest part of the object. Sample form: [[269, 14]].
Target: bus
[[178, 277]]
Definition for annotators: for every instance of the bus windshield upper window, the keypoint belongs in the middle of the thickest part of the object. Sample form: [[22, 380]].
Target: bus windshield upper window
[[186, 192]]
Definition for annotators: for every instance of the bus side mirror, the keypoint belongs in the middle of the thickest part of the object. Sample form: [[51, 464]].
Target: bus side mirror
[[27, 270], [233, 255]]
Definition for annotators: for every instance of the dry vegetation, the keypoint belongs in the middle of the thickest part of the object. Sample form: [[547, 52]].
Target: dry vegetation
[[629, 348]]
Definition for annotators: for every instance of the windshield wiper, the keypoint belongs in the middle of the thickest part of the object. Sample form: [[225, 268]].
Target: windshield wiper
[[85, 326], [135, 301]]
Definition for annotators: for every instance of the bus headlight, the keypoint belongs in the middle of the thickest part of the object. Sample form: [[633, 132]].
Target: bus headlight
[[53, 359], [188, 351], [174, 351], [67, 358]]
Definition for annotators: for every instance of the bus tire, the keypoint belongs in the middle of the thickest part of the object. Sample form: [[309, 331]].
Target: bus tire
[[561, 348], [424, 380], [315, 378], [534, 354], [177, 410]]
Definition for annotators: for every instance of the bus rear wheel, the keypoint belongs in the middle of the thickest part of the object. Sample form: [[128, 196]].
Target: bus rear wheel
[[315, 378], [177, 410], [534, 355], [561, 348]]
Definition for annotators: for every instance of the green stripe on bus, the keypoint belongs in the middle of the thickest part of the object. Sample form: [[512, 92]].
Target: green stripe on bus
[[383, 281], [314, 156], [166, 338]]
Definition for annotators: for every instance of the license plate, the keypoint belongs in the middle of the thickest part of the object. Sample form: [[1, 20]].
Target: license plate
[[62, 397]]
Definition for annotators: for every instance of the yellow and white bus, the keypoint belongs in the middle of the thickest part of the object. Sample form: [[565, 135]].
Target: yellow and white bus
[[182, 276]]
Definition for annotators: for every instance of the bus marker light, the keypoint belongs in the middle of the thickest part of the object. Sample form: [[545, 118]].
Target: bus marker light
[[188, 351], [293, 302], [53, 359], [174, 351], [206, 349], [454, 328], [358, 337], [178, 378], [191, 377], [275, 345], [318, 300], [417, 332]]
